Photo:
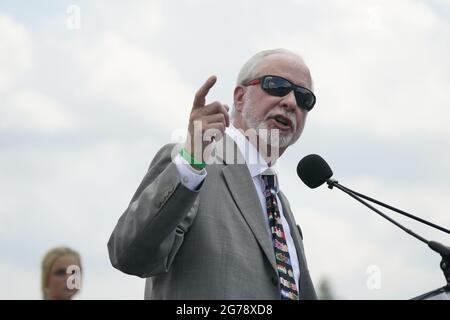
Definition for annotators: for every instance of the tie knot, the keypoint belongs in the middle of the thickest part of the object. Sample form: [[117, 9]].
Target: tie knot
[[269, 181]]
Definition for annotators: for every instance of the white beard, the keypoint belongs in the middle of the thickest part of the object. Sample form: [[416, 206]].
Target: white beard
[[272, 136]]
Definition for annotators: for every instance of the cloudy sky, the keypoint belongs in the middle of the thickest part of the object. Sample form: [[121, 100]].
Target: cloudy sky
[[89, 91]]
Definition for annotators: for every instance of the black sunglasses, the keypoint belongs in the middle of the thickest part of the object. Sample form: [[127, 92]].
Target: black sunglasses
[[278, 86]]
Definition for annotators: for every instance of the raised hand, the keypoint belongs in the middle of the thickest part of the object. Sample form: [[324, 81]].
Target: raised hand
[[206, 122]]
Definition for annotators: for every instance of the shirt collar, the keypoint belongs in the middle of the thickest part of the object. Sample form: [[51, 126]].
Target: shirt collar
[[255, 162]]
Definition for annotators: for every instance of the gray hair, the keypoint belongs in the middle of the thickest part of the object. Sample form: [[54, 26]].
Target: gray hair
[[250, 69]]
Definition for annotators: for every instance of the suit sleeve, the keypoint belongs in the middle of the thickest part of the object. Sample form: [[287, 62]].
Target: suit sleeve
[[151, 230]]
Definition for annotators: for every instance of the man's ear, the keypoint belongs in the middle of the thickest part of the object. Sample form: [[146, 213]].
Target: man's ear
[[239, 93]]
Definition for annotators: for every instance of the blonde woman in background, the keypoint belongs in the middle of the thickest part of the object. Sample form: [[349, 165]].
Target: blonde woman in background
[[61, 274]]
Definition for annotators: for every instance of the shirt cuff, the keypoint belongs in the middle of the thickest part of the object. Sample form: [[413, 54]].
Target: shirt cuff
[[189, 177]]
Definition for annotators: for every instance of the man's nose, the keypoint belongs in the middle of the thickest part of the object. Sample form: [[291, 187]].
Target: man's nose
[[289, 102]]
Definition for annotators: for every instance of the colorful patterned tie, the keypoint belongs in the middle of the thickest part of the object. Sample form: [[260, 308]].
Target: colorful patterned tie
[[287, 283]]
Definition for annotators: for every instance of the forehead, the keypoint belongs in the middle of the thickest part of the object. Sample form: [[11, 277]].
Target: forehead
[[286, 66], [65, 261]]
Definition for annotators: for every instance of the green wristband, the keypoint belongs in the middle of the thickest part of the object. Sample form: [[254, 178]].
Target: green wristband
[[186, 156]]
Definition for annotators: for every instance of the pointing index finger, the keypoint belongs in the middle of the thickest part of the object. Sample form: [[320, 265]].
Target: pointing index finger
[[200, 95]]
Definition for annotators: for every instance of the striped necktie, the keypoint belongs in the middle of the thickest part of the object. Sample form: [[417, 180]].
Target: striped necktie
[[287, 283]]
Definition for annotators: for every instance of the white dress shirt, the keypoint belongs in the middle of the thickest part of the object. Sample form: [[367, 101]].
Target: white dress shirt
[[256, 164]]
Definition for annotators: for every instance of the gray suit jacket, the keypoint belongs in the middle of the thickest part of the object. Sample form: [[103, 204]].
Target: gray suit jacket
[[206, 244]]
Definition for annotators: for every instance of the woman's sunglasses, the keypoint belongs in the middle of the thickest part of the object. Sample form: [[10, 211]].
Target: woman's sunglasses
[[278, 86]]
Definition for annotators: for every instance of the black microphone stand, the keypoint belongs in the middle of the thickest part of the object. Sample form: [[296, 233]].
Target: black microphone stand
[[444, 251], [397, 210]]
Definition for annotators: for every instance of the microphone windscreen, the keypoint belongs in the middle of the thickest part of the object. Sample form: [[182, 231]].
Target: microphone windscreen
[[314, 170]]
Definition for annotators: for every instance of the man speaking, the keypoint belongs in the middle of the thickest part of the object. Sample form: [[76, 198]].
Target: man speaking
[[208, 220]]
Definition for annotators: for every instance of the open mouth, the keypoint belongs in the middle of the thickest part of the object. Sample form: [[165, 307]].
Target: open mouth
[[282, 121]]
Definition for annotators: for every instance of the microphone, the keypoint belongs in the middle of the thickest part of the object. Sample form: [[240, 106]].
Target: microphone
[[314, 171]]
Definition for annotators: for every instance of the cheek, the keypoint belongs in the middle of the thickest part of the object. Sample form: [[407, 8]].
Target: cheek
[[301, 119], [51, 283], [57, 282], [266, 108], [260, 104]]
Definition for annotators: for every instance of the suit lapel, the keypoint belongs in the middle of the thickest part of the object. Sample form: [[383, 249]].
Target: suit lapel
[[241, 187]]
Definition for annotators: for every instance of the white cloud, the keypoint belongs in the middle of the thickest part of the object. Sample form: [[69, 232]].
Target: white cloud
[[22, 108], [31, 110], [142, 20], [129, 77], [379, 67], [16, 51], [19, 282]]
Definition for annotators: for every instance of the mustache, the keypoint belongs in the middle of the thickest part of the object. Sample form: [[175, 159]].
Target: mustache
[[283, 112]]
